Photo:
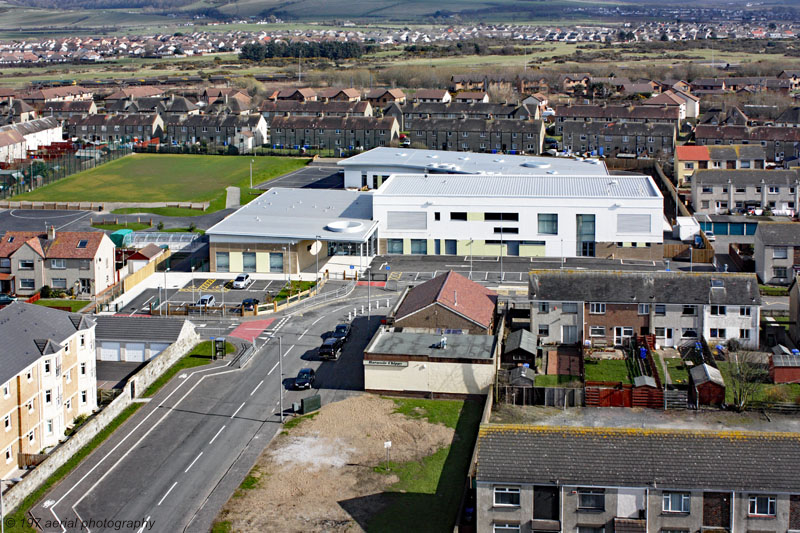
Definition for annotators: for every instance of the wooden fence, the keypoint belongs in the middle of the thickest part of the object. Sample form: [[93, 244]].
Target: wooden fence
[[140, 275], [618, 394]]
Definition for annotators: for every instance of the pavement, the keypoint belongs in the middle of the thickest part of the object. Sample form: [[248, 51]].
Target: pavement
[[181, 456]]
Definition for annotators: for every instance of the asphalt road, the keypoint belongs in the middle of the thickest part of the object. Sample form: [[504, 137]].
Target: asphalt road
[[181, 456], [322, 175]]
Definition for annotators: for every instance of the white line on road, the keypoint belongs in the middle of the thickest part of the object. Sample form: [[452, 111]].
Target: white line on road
[[303, 334], [193, 462], [143, 305], [237, 411], [141, 529], [257, 386], [273, 369], [167, 494], [217, 435]]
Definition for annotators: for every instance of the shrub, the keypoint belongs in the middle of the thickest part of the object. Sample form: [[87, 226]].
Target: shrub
[[45, 292], [777, 394], [160, 225], [192, 227]]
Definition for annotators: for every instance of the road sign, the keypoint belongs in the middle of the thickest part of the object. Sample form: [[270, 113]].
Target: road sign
[[388, 267], [352, 267], [387, 444]]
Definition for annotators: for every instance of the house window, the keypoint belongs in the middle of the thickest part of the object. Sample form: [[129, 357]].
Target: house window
[[68, 404], [779, 272], [717, 333], [83, 369], [544, 307], [688, 333], [644, 309], [47, 367], [744, 311], [689, 310], [592, 499], [780, 252], [48, 397], [504, 527], [596, 308], [7, 422], [10, 456], [717, 310], [58, 264], [597, 331], [762, 506], [548, 223], [707, 190], [774, 190], [506, 496], [591, 529], [27, 284], [544, 330], [744, 334], [58, 283], [84, 397], [84, 264], [569, 308], [661, 309], [26, 264]]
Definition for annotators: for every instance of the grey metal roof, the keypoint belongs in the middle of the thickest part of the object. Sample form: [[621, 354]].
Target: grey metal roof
[[516, 186], [783, 360], [779, 233], [143, 329], [670, 459], [705, 373], [470, 347], [300, 214], [746, 177], [521, 339], [30, 331], [644, 287], [473, 163]]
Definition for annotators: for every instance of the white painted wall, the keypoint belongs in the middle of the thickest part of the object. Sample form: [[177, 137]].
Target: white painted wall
[[434, 377]]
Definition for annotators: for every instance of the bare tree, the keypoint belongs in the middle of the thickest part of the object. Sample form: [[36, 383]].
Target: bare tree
[[746, 374]]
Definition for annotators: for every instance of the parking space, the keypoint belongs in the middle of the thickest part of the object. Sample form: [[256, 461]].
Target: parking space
[[311, 177]]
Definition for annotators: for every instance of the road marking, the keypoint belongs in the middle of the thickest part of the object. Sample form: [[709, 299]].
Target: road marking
[[217, 435], [273, 369], [72, 221], [257, 386], [141, 529], [237, 411], [167, 494], [303, 334], [416, 277], [193, 462]]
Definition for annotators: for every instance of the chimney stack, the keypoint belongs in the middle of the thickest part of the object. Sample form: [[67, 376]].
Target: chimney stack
[[51, 233]]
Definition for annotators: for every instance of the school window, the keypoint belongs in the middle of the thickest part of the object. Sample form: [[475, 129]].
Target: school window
[[548, 223], [597, 331], [762, 506], [594, 499], [458, 215], [717, 310], [596, 308], [644, 309], [506, 496], [677, 502]]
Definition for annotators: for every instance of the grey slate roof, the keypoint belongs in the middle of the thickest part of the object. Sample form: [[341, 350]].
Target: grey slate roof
[[741, 461], [521, 339], [736, 151], [644, 287], [30, 331], [746, 176], [143, 329], [779, 233]]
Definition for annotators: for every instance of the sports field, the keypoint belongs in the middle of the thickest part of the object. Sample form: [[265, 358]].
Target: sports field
[[166, 178]]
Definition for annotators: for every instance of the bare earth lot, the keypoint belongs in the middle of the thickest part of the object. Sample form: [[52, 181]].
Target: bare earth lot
[[318, 475]]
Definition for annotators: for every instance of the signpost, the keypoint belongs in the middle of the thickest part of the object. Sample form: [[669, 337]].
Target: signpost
[[388, 446]]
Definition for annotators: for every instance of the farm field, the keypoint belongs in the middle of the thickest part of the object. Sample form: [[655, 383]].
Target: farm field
[[166, 178]]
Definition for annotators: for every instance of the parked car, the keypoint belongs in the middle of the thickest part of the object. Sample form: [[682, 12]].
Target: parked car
[[342, 331], [305, 379], [710, 236], [5, 299], [242, 281], [206, 300], [331, 348], [248, 304]]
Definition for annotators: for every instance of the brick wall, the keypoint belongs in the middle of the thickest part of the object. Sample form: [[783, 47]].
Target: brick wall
[[716, 509], [794, 511], [615, 315], [437, 316]]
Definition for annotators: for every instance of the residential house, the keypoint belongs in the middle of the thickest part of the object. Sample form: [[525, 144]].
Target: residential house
[[596, 479], [47, 378], [722, 191], [536, 100], [423, 96], [574, 81], [178, 105], [15, 110], [334, 108], [68, 260], [68, 109], [790, 118], [689, 159], [382, 97], [334, 94], [478, 135], [345, 133], [112, 128], [134, 93], [243, 131], [668, 99], [776, 252], [448, 301], [301, 95], [612, 139], [212, 94], [617, 114], [12, 146], [407, 114], [719, 117], [609, 308], [471, 97], [39, 97], [35, 134], [793, 76], [779, 143], [144, 105]]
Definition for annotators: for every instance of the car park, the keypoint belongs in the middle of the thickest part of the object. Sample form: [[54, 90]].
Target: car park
[[342, 331], [242, 281], [206, 300], [305, 378], [331, 348]]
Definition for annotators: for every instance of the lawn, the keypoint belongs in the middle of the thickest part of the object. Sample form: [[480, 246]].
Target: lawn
[[769, 290], [677, 370], [429, 491], [554, 380], [182, 230], [166, 178], [199, 356], [659, 367], [135, 226], [74, 305], [766, 392], [606, 370]]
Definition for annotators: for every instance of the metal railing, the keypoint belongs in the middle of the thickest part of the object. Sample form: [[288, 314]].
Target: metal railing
[[324, 298], [244, 357]]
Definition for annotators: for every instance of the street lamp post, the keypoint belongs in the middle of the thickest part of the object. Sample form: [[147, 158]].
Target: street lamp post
[[316, 275], [280, 371], [166, 293], [2, 507], [193, 300], [470, 258], [251, 172]]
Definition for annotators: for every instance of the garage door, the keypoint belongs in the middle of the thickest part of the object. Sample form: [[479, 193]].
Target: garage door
[[156, 349], [134, 352], [109, 351]]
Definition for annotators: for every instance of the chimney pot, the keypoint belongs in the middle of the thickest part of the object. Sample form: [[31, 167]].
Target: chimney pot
[[51, 233]]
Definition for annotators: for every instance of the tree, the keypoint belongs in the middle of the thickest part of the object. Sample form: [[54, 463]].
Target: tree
[[664, 37], [746, 374]]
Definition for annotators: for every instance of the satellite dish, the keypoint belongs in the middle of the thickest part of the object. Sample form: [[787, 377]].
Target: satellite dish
[[315, 248]]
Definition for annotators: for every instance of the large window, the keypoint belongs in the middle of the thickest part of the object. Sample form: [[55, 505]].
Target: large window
[[548, 224], [762, 506], [458, 215], [394, 246], [506, 496], [223, 262], [780, 272], [718, 310], [689, 310], [248, 261], [544, 307], [780, 252], [592, 499], [597, 331], [26, 264], [27, 284], [513, 217], [677, 502], [569, 308], [276, 261], [419, 246], [58, 264], [644, 309], [59, 283], [597, 308]]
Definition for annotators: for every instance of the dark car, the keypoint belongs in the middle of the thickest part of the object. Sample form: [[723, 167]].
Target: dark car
[[331, 348], [304, 379], [342, 331], [5, 299], [248, 304]]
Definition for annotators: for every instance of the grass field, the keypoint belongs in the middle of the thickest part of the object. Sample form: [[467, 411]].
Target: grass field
[[135, 226], [74, 305], [166, 178], [429, 491]]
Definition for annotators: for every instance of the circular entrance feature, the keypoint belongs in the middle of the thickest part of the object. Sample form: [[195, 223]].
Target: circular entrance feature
[[345, 226]]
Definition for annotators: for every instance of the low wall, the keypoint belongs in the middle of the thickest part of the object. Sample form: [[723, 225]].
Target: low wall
[[136, 386]]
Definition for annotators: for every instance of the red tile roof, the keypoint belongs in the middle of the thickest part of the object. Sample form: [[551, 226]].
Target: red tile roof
[[64, 246], [692, 153], [454, 292]]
